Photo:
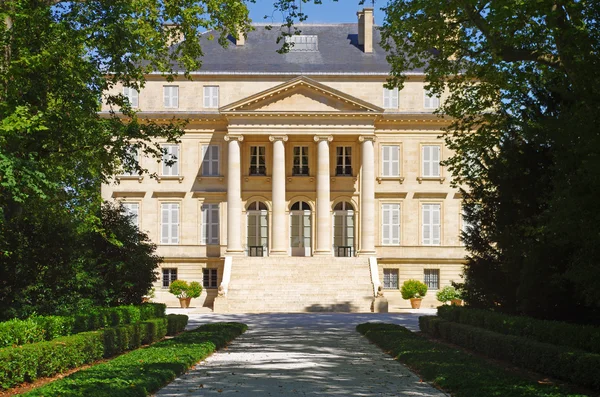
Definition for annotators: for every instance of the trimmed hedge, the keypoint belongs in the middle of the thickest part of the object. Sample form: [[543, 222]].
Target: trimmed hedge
[[45, 328], [26, 363], [144, 371], [176, 323], [575, 366], [584, 337], [455, 371]]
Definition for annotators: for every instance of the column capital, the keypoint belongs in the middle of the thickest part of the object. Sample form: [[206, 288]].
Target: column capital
[[283, 138], [234, 137], [364, 138], [327, 138]]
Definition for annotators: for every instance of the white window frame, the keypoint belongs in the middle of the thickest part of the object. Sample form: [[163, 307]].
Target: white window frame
[[210, 160], [132, 95], [391, 167], [173, 150], [428, 228], [391, 272], [387, 221], [173, 223], [209, 272], [429, 279], [390, 98], [210, 232], [430, 101], [211, 96], [171, 96], [132, 208], [431, 168], [171, 279]]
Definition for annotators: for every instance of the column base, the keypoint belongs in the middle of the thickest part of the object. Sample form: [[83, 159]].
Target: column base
[[366, 253], [322, 253]]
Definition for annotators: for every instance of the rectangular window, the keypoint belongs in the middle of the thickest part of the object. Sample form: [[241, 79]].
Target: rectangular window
[[171, 96], [169, 223], [169, 275], [430, 101], [170, 163], [343, 161], [210, 224], [130, 162], [390, 160], [132, 96], [300, 160], [431, 160], [132, 210], [210, 160], [209, 278], [303, 43], [390, 98], [257, 160], [390, 278], [431, 224], [211, 96], [390, 223], [432, 278]]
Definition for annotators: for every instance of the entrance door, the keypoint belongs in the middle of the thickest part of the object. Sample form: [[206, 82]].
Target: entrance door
[[257, 229], [300, 229], [343, 229]]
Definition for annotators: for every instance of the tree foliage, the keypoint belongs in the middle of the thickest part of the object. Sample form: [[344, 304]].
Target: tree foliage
[[524, 83]]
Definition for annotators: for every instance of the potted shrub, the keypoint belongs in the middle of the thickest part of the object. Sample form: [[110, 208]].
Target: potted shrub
[[185, 291], [414, 290], [449, 294]]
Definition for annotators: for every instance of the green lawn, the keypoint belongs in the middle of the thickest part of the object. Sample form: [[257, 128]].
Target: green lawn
[[453, 370], [146, 370]]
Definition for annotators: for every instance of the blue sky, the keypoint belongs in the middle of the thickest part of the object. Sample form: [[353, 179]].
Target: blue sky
[[329, 11]]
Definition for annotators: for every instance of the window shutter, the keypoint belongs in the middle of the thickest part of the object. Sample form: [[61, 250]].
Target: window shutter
[[214, 219], [386, 98], [386, 160], [215, 160], [394, 99], [205, 223], [426, 225], [134, 97], [395, 161], [206, 97], [215, 97], [175, 97], [395, 237], [426, 160], [174, 224], [206, 164], [436, 225], [165, 217], [386, 222], [427, 102], [435, 161], [167, 97]]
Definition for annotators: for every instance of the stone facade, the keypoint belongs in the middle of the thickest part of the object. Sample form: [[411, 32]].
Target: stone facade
[[325, 165]]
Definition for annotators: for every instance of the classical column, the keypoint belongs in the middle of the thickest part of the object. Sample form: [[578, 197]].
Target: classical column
[[234, 195], [367, 197], [323, 246], [278, 232]]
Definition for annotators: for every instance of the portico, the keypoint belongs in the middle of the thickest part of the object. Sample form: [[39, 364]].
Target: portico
[[317, 126]]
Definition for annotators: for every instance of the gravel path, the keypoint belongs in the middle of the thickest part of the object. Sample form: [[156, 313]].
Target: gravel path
[[301, 355]]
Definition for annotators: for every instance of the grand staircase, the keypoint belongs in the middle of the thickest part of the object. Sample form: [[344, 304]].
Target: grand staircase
[[295, 284]]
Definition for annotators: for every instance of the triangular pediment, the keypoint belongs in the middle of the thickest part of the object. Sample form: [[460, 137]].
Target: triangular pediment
[[302, 95]]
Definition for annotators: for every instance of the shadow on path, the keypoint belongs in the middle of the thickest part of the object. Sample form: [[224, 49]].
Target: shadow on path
[[300, 354]]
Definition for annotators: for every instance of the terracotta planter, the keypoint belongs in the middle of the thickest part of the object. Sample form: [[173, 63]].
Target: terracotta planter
[[456, 302], [415, 303], [185, 302]]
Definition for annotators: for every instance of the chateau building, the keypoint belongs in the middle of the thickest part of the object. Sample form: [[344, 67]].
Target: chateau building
[[301, 182]]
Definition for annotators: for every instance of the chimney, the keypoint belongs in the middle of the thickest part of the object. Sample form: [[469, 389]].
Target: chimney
[[240, 39], [365, 29]]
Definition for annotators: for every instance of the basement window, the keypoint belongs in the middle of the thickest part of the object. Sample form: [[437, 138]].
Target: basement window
[[303, 43]]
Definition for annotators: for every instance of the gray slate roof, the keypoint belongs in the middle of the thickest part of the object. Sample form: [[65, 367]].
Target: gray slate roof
[[339, 52]]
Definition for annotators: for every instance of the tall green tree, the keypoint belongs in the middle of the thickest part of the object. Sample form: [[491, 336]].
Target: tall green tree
[[524, 82]]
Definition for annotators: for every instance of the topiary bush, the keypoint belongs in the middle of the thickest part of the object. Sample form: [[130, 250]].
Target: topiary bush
[[447, 294], [182, 289], [176, 323], [413, 289]]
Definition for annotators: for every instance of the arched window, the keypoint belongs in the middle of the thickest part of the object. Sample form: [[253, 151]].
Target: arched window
[[257, 229], [343, 206], [343, 229], [257, 206], [300, 206]]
